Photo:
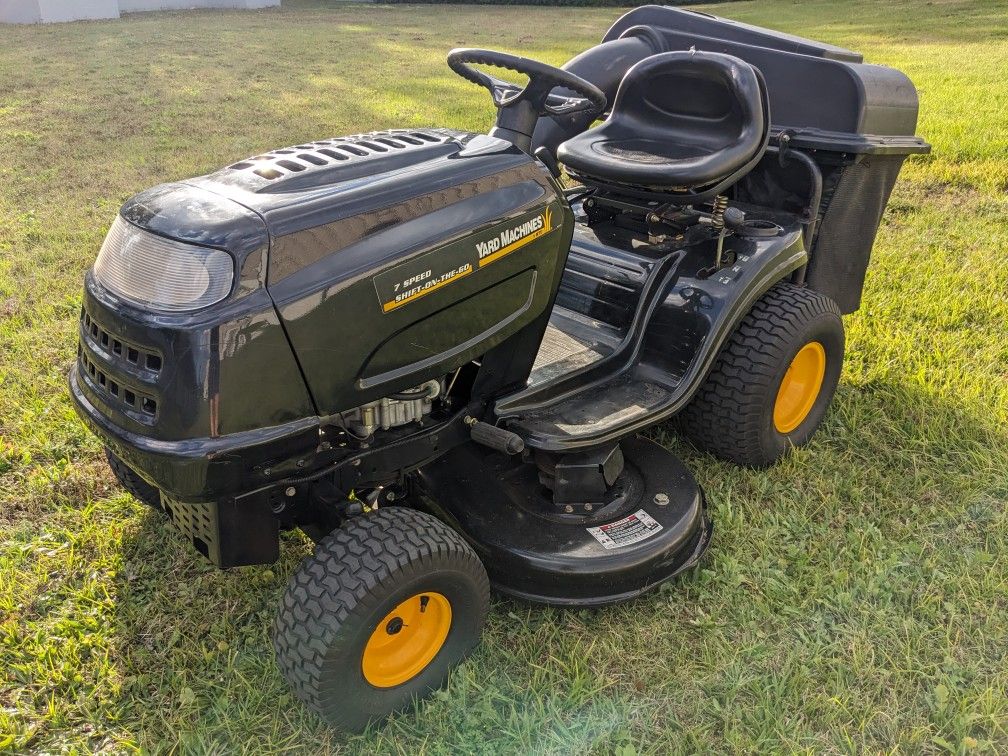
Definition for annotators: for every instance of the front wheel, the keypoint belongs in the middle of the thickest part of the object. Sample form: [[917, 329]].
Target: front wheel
[[770, 387], [139, 488], [380, 613]]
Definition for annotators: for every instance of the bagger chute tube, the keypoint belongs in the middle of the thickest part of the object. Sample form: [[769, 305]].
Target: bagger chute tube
[[434, 357]]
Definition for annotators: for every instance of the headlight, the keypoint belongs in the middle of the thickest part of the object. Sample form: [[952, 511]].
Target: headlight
[[160, 273]]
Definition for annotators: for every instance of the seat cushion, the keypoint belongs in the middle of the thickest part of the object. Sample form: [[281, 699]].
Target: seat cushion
[[680, 120]]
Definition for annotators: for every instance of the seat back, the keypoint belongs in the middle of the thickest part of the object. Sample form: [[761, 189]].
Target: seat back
[[682, 123]]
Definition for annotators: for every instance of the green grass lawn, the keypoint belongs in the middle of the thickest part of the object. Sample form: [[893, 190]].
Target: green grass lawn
[[855, 597]]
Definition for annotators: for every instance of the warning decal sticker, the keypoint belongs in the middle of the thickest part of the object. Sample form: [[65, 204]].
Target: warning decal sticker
[[631, 529], [427, 273]]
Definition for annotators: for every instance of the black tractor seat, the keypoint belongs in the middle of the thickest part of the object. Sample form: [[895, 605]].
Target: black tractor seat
[[687, 124]]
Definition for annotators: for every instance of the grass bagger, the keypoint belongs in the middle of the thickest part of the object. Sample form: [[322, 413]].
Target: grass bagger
[[435, 354]]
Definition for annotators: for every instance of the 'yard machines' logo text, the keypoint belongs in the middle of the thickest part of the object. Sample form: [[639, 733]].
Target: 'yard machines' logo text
[[511, 239], [440, 267]]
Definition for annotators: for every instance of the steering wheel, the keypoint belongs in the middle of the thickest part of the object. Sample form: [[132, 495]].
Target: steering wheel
[[520, 107]]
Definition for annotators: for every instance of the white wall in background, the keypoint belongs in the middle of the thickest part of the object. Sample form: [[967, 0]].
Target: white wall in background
[[20, 11], [129, 6], [75, 10], [46, 11]]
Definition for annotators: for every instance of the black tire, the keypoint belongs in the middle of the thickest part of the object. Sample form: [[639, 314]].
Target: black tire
[[732, 414], [139, 488], [343, 593]]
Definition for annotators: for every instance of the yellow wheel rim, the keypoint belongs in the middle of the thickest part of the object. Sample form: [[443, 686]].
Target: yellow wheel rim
[[406, 641], [800, 387]]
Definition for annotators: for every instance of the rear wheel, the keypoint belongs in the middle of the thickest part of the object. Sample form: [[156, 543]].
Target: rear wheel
[[771, 385], [140, 489], [380, 613]]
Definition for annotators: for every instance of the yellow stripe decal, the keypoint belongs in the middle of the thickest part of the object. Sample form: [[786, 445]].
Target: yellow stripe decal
[[546, 228], [389, 306], [444, 264]]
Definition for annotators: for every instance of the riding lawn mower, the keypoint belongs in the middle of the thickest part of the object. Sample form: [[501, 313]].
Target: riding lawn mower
[[436, 354]]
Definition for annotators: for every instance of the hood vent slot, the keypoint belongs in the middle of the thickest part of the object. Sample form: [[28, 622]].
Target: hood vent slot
[[351, 149], [333, 154], [291, 165]]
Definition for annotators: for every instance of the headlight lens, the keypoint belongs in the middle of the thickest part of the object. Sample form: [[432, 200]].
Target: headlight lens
[[160, 273]]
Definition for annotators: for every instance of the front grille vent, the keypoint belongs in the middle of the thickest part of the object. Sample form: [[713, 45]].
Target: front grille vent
[[113, 350], [119, 349], [279, 163], [115, 391]]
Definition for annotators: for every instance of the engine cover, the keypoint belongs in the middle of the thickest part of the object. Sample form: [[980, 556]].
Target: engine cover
[[397, 256]]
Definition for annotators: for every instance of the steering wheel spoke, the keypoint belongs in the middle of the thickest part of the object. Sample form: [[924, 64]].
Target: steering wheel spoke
[[559, 105], [503, 93], [535, 97]]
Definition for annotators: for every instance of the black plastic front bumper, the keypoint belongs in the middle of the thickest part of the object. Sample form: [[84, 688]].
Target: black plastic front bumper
[[198, 469], [212, 489]]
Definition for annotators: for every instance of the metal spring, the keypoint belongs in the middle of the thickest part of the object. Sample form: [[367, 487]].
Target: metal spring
[[717, 214]]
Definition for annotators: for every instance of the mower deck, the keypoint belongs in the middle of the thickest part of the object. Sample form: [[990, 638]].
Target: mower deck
[[653, 525]]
